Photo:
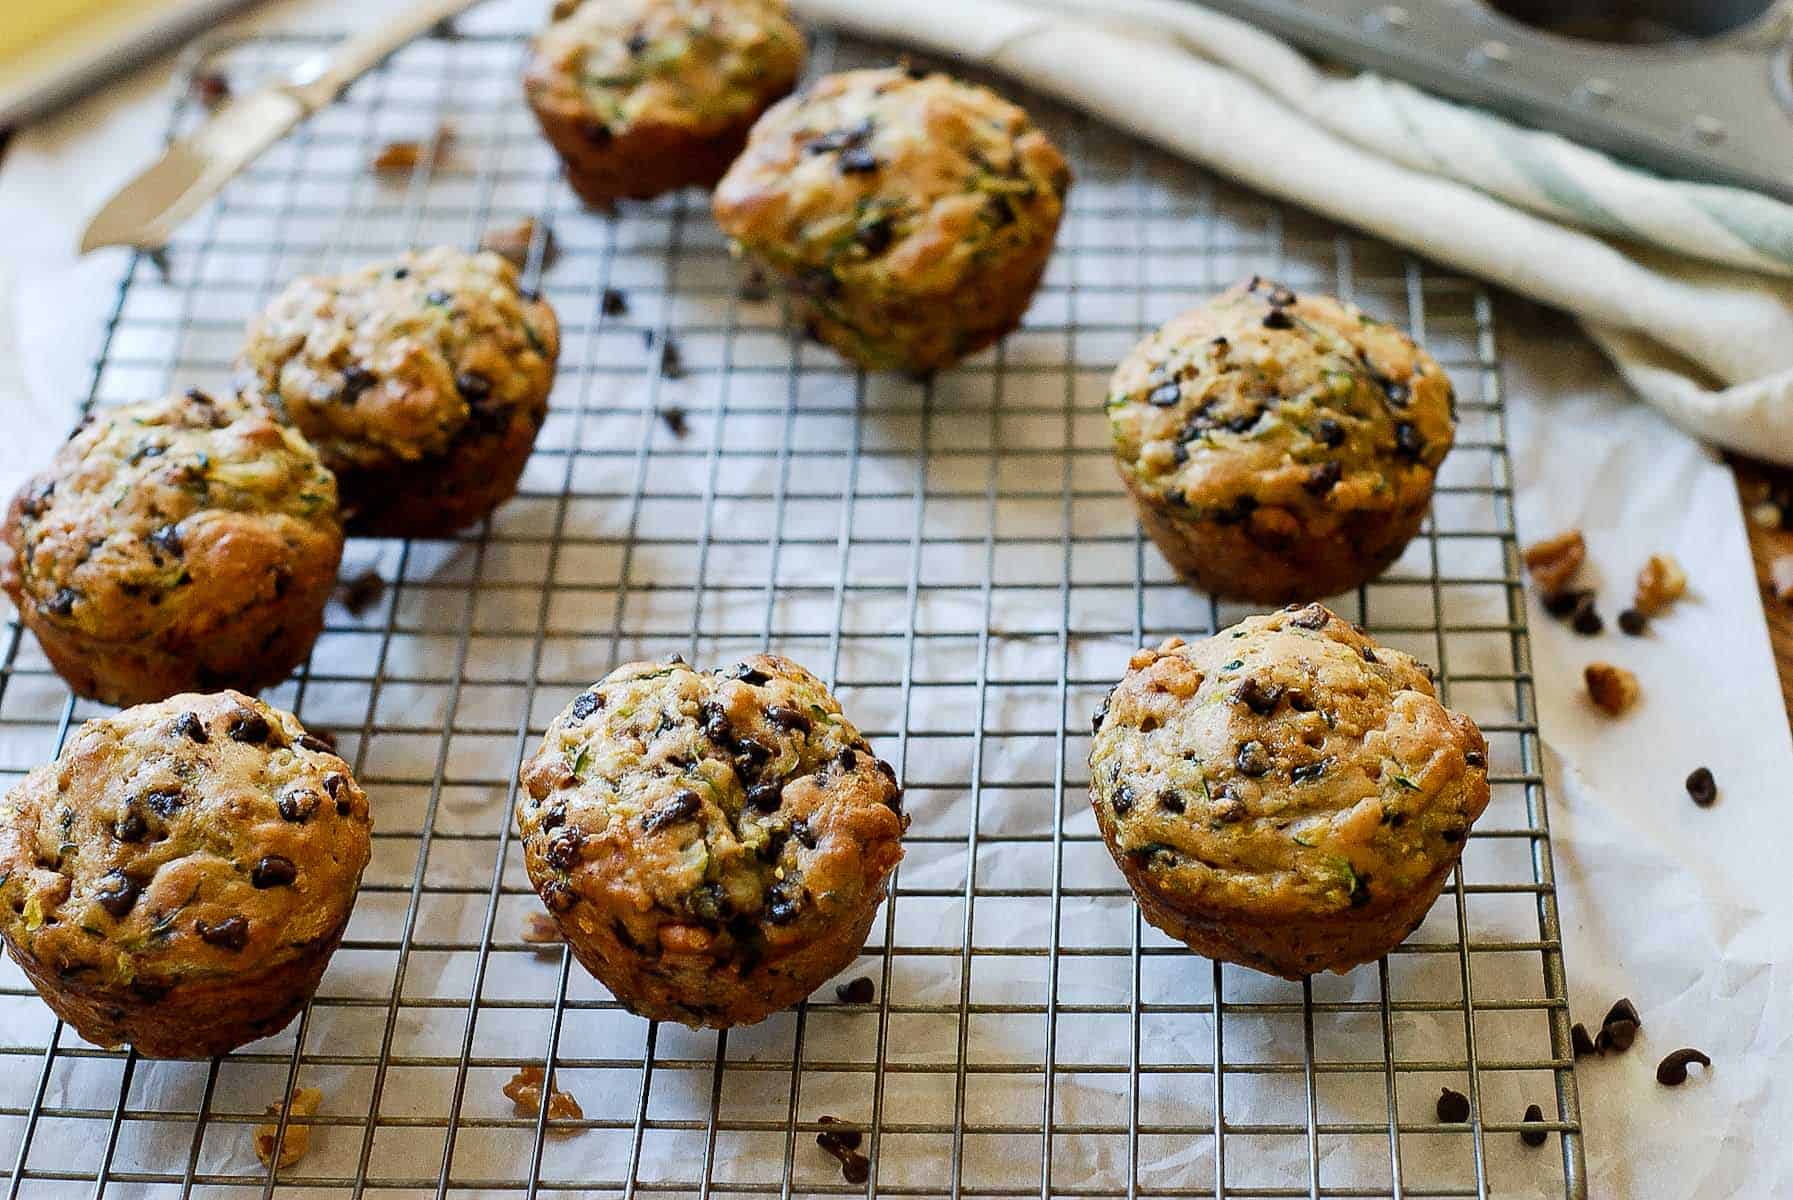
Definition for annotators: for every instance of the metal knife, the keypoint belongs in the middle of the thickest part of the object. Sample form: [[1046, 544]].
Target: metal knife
[[147, 210]]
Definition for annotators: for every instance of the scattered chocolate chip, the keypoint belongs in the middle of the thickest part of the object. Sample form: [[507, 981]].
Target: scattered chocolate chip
[[297, 804], [273, 870], [1281, 297], [1586, 618], [1580, 1041], [1453, 1107], [681, 807], [117, 893], [857, 161], [249, 727], [211, 89], [1702, 787], [615, 303], [855, 1167], [1634, 623], [1320, 479], [672, 360], [361, 592], [673, 417], [585, 704], [188, 725], [232, 933], [1253, 759], [1672, 1071], [750, 675], [859, 990], [1623, 1010], [1616, 1035], [1166, 396], [1561, 604], [1534, 1137], [1369, 654]]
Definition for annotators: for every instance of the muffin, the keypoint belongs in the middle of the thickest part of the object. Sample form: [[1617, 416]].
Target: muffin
[[911, 215], [641, 97], [1286, 795], [180, 876], [189, 543], [713, 844], [422, 381], [1279, 447]]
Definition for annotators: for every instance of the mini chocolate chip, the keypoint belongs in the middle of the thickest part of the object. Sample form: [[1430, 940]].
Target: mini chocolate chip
[[188, 725], [801, 831], [130, 828], [875, 237], [63, 602], [1101, 713], [558, 896], [167, 538], [1276, 318], [790, 720], [232, 933], [1408, 442], [856, 991], [1308, 772], [765, 797], [1253, 759], [562, 850], [1170, 802], [297, 804], [1329, 432], [1452, 1107], [1258, 698], [1702, 787], [682, 807], [164, 802], [1398, 393], [1166, 396], [440, 298], [117, 893], [782, 910], [885, 769], [1314, 616], [638, 41], [1586, 620], [474, 386], [1369, 654], [1281, 297], [845, 760], [1243, 422], [1534, 1137], [1475, 758], [248, 726], [1578, 1039], [615, 304], [585, 704], [1561, 604], [355, 380], [401, 272], [1320, 479], [1122, 802], [857, 161], [316, 744], [752, 676], [1672, 1071], [273, 871], [1634, 623]]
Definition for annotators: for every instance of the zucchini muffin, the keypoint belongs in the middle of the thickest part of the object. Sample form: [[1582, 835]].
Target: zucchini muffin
[[188, 543], [180, 876], [422, 381], [1287, 794], [1280, 447], [713, 844], [641, 97], [911, 215]]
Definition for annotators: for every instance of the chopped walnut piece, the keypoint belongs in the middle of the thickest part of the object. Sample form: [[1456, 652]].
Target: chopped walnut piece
[[402, 157], [1613, 689], [297, 1139], [1780, 578], [513, 242], [1659, 584], [1554, 561], [540, 930], [525, 1091]]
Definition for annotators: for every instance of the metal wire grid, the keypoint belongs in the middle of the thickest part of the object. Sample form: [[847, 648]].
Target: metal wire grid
[[956, 557]]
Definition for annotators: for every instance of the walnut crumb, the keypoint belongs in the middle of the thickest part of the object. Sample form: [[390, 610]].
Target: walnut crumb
[[1780, 578], [1613, 689], [1554, 561], [513, 241], [525, 1091], [540, 930], [1659, 584], [403, 157], [297, 1139]]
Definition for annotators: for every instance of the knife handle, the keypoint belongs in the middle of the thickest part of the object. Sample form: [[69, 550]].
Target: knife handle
[[320, 80]]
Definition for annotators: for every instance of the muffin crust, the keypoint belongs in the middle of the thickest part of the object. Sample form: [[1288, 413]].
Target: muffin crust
[[1279, 447], [1286, 795], [422, 381], [644, 96], [185, 543], [714, 845], [179, 877], [911, 216]]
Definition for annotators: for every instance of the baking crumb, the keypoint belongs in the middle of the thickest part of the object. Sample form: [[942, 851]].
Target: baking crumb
[[403, 157], [754, 288], [525, 1091], [1554, 561], [1766, 515], [513, 241], [211, 89], [1660, 583], [615, 303], [539, 929], [1780, 578], [674, 416], [1613, 689], [361, 592], [297, 1139]]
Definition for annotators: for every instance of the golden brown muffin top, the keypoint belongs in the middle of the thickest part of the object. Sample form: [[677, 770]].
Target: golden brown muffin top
[[177, 513], [201, 837], [1263, 398], [891, 182], [389, 363], [734, 813], [1287, 766], [692, 64]]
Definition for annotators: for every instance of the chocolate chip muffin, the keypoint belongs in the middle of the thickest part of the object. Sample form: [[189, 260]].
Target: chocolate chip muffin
[[180, 876], [1279, 447], [642, 97], [1287, 794], [713, 844], [911, 215], [422, 381], [186, 543]]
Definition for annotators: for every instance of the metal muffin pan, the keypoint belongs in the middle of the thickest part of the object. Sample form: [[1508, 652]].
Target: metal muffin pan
[[1696, 88]]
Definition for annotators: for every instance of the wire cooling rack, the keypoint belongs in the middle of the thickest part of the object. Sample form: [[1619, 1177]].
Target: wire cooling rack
[[957, 557]]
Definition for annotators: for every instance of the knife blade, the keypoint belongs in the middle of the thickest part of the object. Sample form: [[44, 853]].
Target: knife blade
[[146, 211]]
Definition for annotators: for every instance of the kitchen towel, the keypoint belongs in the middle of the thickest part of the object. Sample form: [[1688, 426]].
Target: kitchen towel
[[1685, 286]]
